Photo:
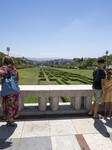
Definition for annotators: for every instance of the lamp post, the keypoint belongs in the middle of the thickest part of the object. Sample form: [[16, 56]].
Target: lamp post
[[107, 52], [8, 49]]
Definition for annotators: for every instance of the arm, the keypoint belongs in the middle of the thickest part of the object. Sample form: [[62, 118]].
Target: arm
[[103, 85], [17, 76], [103, 82], [1, 74]]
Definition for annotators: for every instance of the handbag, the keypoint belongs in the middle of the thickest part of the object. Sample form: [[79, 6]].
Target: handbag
[[9, 85]]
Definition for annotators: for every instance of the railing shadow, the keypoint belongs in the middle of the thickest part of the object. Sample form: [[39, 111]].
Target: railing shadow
[[101, 127], [5, 133], [108, 122]]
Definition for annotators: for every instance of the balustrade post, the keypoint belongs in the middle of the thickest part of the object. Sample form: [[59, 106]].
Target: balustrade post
[[21, 102], [88, 102], [42, 103], [78, 103], [72, 102], [54, 103]]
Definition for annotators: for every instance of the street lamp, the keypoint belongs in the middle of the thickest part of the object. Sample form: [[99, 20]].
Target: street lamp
[[107, 52], [8, 49]]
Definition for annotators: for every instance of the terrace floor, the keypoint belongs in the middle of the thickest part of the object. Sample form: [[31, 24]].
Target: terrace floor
[[57, 134]]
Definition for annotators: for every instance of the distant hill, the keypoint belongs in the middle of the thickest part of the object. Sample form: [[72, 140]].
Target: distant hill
[[19, 62], [1, 57], [81, 63], [42, 59]]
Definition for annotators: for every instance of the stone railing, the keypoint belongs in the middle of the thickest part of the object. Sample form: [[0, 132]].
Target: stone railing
[[79, 95]]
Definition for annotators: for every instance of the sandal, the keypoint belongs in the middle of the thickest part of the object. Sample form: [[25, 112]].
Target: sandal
[[90, 115], [98, 117], [8, 123], [13, 124]]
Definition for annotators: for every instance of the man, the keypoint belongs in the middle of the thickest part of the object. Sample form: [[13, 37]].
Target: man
[[98, 75]]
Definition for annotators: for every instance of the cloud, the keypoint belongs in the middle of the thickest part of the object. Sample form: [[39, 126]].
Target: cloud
[[76, 21], [74, 25]]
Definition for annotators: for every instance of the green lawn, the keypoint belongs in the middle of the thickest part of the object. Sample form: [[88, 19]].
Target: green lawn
[[68, 76], [34, 76], [31, 100], [87, 73], [28, 76]]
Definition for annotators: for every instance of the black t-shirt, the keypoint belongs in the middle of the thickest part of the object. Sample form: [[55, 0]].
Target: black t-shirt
[[98, 75]]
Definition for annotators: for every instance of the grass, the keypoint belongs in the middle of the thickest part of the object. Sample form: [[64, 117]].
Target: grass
[[31, 100], [34, 76], [29, 76], [87, 73], [69, 76]]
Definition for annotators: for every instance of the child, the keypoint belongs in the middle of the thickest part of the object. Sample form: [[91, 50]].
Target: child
[[98, 75], [107, 93]]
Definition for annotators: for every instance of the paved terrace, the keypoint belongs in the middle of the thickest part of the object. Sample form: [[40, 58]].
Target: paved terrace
[[59, 134], [56, 133]]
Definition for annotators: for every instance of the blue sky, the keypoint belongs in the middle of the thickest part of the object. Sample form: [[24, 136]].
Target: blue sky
[[56, 28]]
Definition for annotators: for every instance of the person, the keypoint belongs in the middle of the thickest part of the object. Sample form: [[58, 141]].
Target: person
[[107, 93], [98, 75], [10, 103]]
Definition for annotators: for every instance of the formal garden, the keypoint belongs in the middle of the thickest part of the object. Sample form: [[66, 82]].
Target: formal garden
[[53, 76]]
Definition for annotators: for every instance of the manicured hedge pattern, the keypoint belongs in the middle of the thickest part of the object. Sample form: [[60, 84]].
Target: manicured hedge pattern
[[62, 77]]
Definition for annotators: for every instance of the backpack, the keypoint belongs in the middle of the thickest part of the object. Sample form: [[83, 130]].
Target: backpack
[[9, 84]]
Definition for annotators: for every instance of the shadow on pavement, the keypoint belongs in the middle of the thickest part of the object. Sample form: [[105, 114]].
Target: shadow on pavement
[[108, 122], [101, 128], [5, 133]]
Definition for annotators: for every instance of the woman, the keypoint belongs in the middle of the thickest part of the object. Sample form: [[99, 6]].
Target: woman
[[10, 103], [107, 93]]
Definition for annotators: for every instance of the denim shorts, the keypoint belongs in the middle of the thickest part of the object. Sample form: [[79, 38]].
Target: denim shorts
[[98, 96]]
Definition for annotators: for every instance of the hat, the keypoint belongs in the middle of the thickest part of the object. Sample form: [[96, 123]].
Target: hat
[[101, 60], [109, 72]]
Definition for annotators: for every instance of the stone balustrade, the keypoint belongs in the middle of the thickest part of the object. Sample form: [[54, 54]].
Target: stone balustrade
[[79, 95]]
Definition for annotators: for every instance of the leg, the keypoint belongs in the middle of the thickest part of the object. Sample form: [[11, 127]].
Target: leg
[[98, 100], [110, 110], [92, 109], [105, 109], [16, 106], [4, 108], [96, 107]]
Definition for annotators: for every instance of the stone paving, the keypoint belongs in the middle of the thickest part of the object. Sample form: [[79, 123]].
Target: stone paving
[[59, 134]]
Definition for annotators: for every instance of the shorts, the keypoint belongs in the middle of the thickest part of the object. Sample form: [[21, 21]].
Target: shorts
[[98, 96]]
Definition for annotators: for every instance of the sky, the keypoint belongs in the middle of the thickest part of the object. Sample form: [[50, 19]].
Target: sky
[[56, 28]]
